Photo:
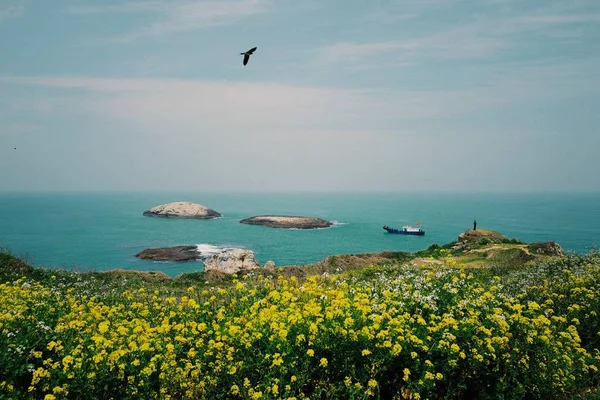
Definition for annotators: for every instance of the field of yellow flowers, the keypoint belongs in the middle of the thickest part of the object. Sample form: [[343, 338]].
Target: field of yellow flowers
[[380, 332]]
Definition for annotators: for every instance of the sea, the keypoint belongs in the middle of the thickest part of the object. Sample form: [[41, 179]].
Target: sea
[[103, 231]]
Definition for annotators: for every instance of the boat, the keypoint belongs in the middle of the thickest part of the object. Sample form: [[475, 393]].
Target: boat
[[406, 230]]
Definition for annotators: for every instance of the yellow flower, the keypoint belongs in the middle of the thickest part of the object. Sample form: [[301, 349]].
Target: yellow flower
[[310, 352], [235, 389], [103, 327], [372, 383], [366, 352], [323, 362]]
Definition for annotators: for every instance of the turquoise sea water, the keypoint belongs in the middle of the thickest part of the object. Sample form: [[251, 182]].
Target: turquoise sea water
[[105, 230]]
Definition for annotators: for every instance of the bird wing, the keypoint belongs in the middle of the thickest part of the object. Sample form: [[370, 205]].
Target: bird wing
[[246, 58], [251, 50]]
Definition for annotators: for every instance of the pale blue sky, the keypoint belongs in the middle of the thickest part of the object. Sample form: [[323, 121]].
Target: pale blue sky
[[436, 95]]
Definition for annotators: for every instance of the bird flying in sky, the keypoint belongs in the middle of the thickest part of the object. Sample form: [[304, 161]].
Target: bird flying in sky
[[247, 55]]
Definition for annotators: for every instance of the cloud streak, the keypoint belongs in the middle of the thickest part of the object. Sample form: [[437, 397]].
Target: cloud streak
[[176, 16], [481, 38], [171, 106], [468, 42], [12, 9]]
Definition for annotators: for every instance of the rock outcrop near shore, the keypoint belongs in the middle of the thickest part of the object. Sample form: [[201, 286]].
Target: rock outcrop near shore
[[228, 260], [471, 236], [287, 222], [177, 253], [182, 209], [547, 249], [231, 261]]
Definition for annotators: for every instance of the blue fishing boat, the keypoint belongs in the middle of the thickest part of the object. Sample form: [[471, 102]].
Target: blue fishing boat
[[406, 230]]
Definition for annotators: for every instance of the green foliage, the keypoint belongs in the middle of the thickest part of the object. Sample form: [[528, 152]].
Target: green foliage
[[511, 241], [484, 241]]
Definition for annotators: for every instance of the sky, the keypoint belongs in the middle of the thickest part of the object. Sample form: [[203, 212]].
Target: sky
[[381, 95]]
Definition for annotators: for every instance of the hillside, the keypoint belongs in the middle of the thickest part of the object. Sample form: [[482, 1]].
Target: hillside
[[470, 319]]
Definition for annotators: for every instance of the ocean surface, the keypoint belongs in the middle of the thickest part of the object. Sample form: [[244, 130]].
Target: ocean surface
[[101, 231]]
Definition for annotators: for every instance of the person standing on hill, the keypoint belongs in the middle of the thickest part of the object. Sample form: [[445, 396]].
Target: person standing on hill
[[474, 224]]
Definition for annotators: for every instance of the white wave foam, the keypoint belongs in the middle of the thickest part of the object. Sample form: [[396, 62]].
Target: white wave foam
[[208, 249], [338, 223]]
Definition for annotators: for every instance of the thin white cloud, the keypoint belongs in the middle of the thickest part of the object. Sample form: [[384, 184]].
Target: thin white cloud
[[12, 9], [348, 51], [466, 42], [478, 39], [165, 106], [176, 15], [17, 128], [560, 19]]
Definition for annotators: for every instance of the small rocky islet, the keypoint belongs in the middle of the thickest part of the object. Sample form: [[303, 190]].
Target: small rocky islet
[[182, 209], [287, 222]]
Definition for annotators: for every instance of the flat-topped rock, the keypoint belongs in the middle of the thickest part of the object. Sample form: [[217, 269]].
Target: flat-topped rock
[[182, 209], [289, 222], [177, 253]]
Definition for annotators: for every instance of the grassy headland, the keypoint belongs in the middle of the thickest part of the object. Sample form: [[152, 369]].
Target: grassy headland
[[482, 318]]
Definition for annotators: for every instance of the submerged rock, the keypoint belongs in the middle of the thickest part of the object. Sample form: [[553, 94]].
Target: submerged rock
[[283, 221], [182, 209]]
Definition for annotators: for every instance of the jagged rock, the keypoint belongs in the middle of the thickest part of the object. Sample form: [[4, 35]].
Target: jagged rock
[[269, 265], [182, 209], [177, 253], [231, 261], [282, 221], [546, 249]]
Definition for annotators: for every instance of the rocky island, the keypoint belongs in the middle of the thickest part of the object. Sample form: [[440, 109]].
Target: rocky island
[[289, 222], [177, 253], [182, 209]]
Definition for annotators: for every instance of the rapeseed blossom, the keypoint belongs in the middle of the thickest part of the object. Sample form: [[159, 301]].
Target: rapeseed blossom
[[408, 333]]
